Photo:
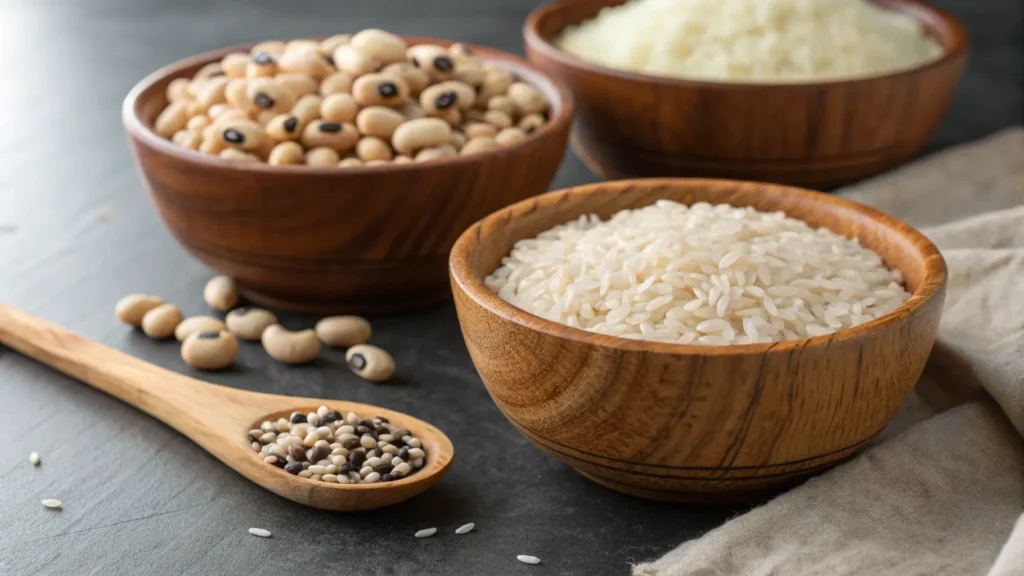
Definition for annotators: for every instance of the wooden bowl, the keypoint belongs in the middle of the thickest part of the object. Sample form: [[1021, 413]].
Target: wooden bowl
[[817, 134], [363, 239], [685, 422]]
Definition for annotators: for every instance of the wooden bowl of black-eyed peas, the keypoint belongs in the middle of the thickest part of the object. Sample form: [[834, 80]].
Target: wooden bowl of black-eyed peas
[[335, 174]]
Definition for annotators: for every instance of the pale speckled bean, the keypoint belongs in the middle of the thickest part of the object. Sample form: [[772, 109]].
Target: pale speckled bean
[[133, 307], [221, 293], [210, 350], [343, 331], [249, 323], [194, 324], [160, 322], [290, 347]]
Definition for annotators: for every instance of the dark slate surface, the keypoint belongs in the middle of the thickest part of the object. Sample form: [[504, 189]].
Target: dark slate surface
[[77, 233]]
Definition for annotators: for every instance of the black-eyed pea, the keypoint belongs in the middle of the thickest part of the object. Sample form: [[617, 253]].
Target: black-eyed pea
[[329, 45], [160, 322], [172, 119], [435, 152], [499, 119], [379, 121], [412, 110], [188, 138], [527, 99], [402, 159], [212, 92], [343, 331], [221, 293], [286, 153], [273, 47], [228, 113], [336, 83], [297, 83], [531, 122], [447, 94], [459, 139], [322, 157], [243, 134], [249, 323], [339, 108], [301, 46], [379, 45], [261, 65], [453, 116], [307, 108], [502, 104], [209, 71], [235, 155], [416, 79], [433, 60], [197, 123], [480, 130], [510, 136], [380, 90], [234, 64], [236, 93], [209, 350], [414, 135], [267, 94], [495, 83], [339, 136], [350, 162], [190, 326], [371, 148], [480, 144], [177, 90], [349, 59], [132, 308], [284, 127], [290, 347], [377, 163], [311, 63], [370, 362]]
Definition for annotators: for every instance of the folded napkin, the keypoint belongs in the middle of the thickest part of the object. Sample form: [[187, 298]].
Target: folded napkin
[[941, 491]]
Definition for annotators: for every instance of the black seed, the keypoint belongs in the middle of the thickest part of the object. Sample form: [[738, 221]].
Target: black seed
[[356, 459], [350, 443], [387, 89], [263, 100], [330, 127], [444, 64], [293, 467], [262, 58], [278, 461], [415, 62], [386, 478], [318, 453], [363, 430], [366, 423], [478, 88], [344, 469], [297, 453], [234, 136], [383, 469], [403, 454], [208, 335], [291, 123], [297, 418], [330, 417], [446, 100], [357, 361], [381, 430], [381, 419]]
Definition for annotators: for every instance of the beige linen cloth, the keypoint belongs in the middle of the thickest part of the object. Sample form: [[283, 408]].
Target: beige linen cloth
[[941, 492]]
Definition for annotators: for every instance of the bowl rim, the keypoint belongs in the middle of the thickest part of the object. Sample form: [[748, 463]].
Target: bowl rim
[[461, 271], [952, 50], [136, 128]]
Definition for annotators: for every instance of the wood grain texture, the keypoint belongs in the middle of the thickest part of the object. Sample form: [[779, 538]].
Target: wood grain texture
[[331, 240], [812, 134], [218, 418], [686, 422]]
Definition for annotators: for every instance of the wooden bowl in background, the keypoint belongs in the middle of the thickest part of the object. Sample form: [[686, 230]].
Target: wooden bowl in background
[[818, 134], [689, 422], [362, 239]]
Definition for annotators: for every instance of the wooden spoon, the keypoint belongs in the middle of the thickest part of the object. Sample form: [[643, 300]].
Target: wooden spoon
[[218, 418]]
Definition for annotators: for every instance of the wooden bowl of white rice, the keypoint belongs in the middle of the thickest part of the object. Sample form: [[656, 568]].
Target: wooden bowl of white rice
[[697, 340]]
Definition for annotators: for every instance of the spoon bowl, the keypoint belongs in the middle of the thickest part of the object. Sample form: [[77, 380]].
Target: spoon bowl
[[218, 418]]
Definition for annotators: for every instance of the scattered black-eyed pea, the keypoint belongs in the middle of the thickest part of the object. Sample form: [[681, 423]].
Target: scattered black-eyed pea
[[372, 148], [177, 90], [495, 83], [197, 123], [510, 136], [309, 62], [499, 119], [480, 144], [273, 47], [267, 94], [337, 82], [340, 136], [234, 64], [160, 322], [188, 138], [370, 362], [378, 121], [249, 323], [379, 45], [238, 156], [261, 65], [502, 104], [355, 62], [221, 293], [453, 116], [527, 99], [172, 119], [417, 80], [190, 326], [435, 152], [209, 71], [209, 349], [480, 130], [414, 135], [329, 45], [290, 347], [531, 122], [236, 94], [243, 134], [286, 153], [380, 90], [402, 159], [133, 307], [343, 331], [284, 127], [447, 94], [307, 108], [322, 157], [433, 60], [350, 162], [299, 84], [339, 108]]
